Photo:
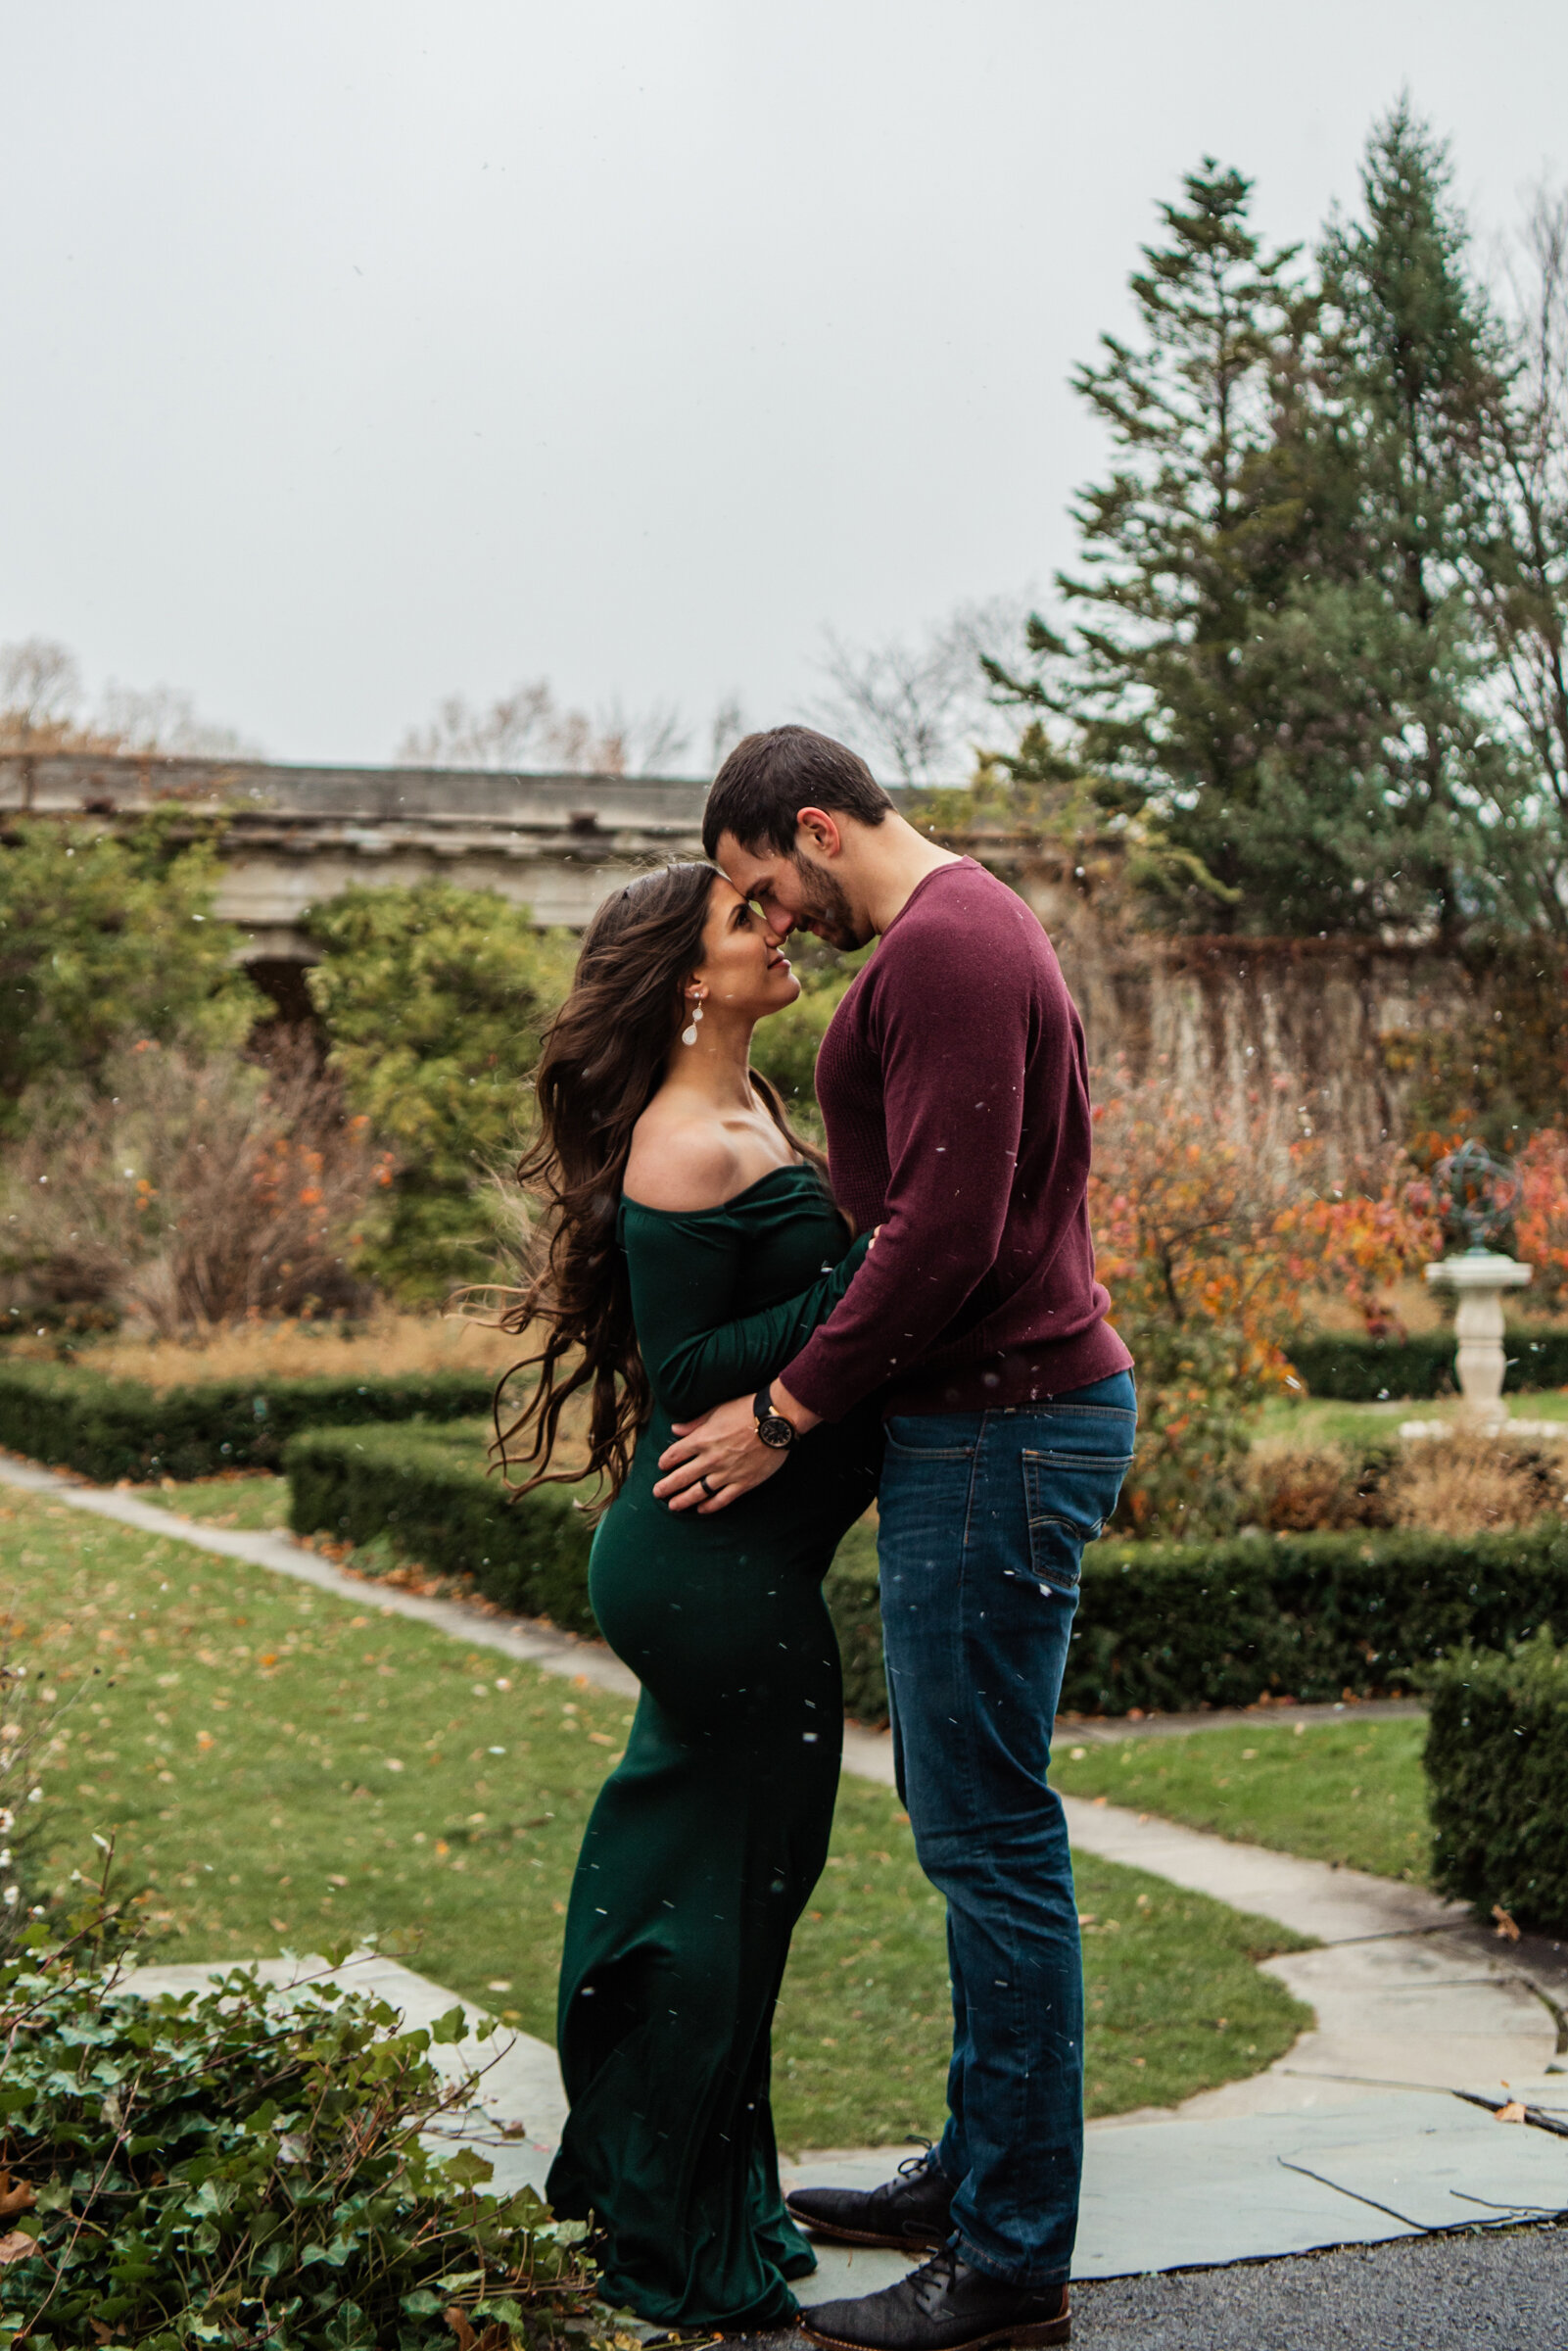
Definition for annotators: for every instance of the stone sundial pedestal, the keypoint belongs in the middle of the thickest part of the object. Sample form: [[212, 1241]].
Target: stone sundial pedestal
[[1480, 1276], [1476, 1195]]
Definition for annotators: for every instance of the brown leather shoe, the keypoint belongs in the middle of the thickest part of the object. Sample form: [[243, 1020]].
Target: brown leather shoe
[[948, 2305]]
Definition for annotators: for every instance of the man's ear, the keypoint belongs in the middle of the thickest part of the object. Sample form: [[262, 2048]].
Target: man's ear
[[820, 830]]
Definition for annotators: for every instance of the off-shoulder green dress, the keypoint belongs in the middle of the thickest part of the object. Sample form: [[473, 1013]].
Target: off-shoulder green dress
[[708, 1838]]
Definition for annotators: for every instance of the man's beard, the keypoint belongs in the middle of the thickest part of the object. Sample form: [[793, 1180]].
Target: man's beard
[[824, 908]]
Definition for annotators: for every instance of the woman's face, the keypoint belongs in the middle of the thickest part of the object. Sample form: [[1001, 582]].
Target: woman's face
[[742, 967]]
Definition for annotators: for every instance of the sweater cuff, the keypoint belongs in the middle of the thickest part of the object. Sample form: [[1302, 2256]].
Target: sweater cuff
[[801, 1380]]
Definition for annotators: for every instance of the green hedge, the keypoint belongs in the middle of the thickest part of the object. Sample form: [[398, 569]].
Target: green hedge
[[1175, 1625], [1165, 1626], [1353, 1370], [75, 1418], [1496, 1762], [427, 1490]]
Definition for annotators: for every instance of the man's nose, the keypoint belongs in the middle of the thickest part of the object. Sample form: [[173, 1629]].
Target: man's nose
[[779, 923]]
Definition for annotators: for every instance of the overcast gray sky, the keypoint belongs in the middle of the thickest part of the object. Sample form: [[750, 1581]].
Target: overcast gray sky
[[362, 351]]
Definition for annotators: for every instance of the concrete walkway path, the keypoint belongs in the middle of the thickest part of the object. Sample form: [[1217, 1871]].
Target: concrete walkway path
[[1352, 2135]]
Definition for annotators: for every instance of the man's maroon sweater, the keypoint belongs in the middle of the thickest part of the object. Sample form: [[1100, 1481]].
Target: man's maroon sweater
[[954, 1087]]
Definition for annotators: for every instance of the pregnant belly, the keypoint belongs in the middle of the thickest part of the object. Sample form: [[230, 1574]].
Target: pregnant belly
[[721, 1600]]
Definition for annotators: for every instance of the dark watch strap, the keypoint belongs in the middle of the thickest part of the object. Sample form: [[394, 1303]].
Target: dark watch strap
[[772, 1427]]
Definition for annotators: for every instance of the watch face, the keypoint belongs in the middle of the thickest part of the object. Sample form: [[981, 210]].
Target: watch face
[[774, 1430]]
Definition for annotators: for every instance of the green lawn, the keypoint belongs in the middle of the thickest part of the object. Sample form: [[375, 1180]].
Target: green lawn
[[1347, 1792], [1309, 1423], [239, 1499], [282, 1766]]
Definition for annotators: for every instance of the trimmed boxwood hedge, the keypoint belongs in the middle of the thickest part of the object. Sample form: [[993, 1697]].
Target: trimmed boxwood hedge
[[75, 1418], [427, 1490], [1497, 1763], [1352, 1369], [1164, 1626], [1169, 1626]]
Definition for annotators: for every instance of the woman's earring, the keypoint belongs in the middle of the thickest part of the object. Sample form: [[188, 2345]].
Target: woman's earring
[[688, 1037]]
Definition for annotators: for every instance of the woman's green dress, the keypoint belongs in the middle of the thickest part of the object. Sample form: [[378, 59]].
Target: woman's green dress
[[708, 1838]]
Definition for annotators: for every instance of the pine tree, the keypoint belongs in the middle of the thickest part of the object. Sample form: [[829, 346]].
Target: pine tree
[[1519, 576], [1191, 684], [1276, 663], [1414, 364]]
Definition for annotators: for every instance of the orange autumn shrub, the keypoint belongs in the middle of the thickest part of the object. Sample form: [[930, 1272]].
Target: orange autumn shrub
[[1357, 1239], [1196, 1236], [1540, 1222]]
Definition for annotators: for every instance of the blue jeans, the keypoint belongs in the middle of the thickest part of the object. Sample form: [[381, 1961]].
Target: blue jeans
[[985, 1517]]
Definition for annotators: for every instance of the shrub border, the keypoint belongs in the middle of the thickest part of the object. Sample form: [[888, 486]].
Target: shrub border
[[1162, 1626], [1348, 1368], [108, 1430]]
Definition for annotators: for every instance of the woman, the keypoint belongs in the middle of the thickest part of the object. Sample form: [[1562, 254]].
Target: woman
[[694, 1246]]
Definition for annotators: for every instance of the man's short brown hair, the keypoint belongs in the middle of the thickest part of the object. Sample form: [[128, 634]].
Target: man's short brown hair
[[768, 777]]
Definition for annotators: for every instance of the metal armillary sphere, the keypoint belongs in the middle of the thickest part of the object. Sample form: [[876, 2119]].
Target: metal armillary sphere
[[1477, 1195]]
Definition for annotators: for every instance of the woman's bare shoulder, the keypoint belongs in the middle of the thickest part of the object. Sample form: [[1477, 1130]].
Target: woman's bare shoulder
[[681, 1162]]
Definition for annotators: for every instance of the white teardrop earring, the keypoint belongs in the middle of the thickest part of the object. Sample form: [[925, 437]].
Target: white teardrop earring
[[688, 1035]]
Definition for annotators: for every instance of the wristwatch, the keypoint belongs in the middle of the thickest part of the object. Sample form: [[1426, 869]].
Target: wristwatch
[[772, 1427]]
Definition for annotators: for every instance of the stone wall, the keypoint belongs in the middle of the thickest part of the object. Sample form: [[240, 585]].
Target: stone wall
[[1297, 1023], [1299, 1026], [294, 835]]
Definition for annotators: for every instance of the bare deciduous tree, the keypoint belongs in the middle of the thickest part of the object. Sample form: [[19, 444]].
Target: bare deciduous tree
[[1521, 576], [165, 718], [201, 1191], [44, 708], [527, 729], [40, 688], [919, 709], [728, 726]]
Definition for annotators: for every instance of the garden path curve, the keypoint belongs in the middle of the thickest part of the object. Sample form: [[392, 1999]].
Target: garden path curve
[[1353, 2136]]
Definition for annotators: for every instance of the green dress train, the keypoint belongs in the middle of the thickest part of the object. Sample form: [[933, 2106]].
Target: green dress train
[[708, 1838]]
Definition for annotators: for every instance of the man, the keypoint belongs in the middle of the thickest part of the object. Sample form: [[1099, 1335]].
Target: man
[[954, 1087]]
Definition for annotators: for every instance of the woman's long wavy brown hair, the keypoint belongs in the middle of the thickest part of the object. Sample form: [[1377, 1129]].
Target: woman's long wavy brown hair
[[603, 1061]]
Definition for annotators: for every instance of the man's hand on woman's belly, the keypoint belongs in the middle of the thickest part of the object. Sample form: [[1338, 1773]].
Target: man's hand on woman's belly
[[720, 1456]]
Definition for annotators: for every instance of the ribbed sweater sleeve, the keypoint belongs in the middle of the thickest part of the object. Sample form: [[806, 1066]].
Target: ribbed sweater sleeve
[[952, 1029]]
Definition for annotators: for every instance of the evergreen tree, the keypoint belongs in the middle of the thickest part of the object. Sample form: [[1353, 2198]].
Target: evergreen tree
[[433, 998], [1192, 684], [1414, 364], [1276, 664], [104, 935]]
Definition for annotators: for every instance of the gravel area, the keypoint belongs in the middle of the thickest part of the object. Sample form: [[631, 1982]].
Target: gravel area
[[1466, 2292], [1507, 2287]]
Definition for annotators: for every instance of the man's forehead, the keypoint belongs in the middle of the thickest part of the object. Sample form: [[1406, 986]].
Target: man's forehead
[[745, 869]]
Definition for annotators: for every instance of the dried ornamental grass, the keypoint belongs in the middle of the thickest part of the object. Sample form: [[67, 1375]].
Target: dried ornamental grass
[[1467, 1484], [385, 1345], [1316, 1488]]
